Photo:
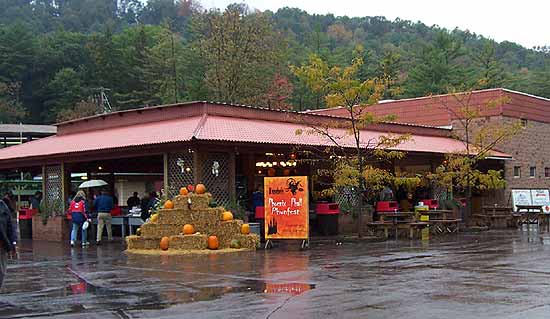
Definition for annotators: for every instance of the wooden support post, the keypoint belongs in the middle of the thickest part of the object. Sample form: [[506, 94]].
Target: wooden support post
[[232, 178], [165, 176], [44, 179], [64, 186]]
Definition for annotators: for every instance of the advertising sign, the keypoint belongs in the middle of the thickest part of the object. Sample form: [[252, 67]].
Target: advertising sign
[[286, 207], [540, 197], [521, 197]]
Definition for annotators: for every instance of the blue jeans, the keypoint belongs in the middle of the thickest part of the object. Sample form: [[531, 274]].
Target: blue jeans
[[74, 231]]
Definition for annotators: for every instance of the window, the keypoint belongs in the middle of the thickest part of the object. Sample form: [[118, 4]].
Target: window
[[524, 123], [547, 172], [517, 171], [532, 172]]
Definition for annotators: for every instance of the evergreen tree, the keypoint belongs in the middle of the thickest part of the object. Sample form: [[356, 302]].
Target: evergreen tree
[[437, 68]]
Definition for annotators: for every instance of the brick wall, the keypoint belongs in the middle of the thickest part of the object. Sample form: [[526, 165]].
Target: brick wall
[[530, 147], [57, 229]]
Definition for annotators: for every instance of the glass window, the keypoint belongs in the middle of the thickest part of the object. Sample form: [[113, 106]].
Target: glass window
[[524, 123], [517, 171], [532, 171], [547, 172]]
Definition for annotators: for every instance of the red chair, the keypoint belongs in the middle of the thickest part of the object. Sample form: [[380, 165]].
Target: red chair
[[431, 203], [327, 209], [386, 206]]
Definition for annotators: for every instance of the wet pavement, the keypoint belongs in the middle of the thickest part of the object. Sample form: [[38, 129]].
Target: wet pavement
[[496, 274]]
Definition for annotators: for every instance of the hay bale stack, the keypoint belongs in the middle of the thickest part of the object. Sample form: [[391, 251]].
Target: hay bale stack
[[200, 201], [138, 242], [189, 242], [227, 231], [175, 216], [159, 230], [250, 241], [205, 220], [180, 202]]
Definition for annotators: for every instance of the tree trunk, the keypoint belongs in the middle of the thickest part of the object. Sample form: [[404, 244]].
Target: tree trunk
[[360, 191]]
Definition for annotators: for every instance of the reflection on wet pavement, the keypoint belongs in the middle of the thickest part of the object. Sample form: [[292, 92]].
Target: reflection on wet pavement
[[497, 274]]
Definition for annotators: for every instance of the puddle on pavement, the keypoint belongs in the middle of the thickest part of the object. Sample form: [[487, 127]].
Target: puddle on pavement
[[93, 297]]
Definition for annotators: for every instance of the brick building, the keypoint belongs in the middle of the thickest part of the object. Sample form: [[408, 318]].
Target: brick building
[[530, 166]]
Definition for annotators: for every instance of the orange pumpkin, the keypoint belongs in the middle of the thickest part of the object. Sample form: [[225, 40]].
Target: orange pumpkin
[[188, 229], [169, 204], [184, 191], [227, 215], [213, 243], [164, 243], [200, 189], [245, 229]]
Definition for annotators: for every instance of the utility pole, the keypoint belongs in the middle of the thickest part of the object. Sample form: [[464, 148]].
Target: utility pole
[[103, 100]]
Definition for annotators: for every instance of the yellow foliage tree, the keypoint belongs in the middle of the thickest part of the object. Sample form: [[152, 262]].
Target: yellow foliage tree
[[354, 163]]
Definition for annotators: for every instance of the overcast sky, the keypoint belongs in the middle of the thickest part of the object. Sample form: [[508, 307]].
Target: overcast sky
[[526, 22]]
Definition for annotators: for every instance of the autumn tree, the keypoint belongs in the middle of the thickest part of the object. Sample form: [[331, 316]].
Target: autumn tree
[[354, 162], [461, 170]]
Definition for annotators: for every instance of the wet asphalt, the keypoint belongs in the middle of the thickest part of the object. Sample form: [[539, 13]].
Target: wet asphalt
[[495, 274]]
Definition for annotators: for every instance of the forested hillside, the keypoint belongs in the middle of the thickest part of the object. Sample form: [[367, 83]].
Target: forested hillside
[[57, 57]]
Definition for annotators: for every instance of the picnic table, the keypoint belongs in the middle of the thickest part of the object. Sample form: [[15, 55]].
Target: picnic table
[[528, 214], [398, 220], [495, 216]]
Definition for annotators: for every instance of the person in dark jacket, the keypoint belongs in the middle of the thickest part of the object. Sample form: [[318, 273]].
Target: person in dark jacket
[[133, 201], [103, 204], [10, 204], [79, 214], [7, 241], [145, 207]]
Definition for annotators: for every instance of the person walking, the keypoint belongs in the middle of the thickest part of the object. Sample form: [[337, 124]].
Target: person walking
[[7, 241], [10, 204], [78, 210], [103, 204]]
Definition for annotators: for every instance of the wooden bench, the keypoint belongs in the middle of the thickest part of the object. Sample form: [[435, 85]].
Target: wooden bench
[[385, 226], [439, 226], [495, 221], [413, 228]]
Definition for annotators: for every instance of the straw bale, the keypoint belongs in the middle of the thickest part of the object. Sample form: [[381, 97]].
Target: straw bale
[[175, 216], [138, 242], [180, 202], [250, 241], [227, 231], [159, 230], [204, 220], [200, 201], [189, 242]]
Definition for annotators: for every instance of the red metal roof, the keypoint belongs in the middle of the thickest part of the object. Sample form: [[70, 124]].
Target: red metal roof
[[209, 128], [434, 110], [112, 138]]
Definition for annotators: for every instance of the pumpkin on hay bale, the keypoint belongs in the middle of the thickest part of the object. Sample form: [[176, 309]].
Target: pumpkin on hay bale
[[188, 229], [164, 243], [213, 243]]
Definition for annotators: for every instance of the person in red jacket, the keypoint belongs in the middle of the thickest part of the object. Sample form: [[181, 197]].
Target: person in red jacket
[[78, 210]]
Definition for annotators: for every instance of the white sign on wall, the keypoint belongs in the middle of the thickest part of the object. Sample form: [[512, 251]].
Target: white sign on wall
[[540, 197], [532, 197], [521, 197]]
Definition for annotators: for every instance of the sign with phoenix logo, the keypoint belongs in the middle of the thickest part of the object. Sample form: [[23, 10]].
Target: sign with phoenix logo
[[286, 207]]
